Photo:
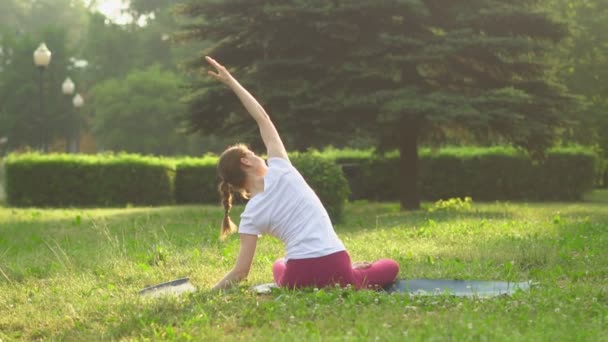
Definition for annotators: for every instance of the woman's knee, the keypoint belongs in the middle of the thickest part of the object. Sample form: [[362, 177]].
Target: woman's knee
[[389, 266], [279, 264], [278, 271]]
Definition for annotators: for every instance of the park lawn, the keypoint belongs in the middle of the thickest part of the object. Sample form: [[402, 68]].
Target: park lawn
[[73, 274]]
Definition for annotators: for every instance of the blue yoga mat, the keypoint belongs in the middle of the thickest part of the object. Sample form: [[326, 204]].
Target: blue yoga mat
[[435, 287], [458, 288]]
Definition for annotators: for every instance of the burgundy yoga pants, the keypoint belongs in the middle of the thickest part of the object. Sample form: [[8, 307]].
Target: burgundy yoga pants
[[333, 269]]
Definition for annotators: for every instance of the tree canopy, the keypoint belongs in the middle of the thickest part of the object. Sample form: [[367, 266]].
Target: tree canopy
[[404, 69], [582, 63], [144, 105]]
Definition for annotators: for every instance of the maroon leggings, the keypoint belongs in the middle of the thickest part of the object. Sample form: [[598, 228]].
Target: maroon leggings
[[333, 269]]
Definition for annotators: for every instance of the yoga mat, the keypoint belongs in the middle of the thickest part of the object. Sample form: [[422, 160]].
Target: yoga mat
[[458, 288], [174, 287], [434, 287]]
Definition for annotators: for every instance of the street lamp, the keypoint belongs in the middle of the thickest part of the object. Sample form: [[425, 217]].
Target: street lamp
[[42, 59], [67, 88], [78, 102]]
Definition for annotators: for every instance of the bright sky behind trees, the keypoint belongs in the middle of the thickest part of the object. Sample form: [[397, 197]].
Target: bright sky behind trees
[[113, 9]]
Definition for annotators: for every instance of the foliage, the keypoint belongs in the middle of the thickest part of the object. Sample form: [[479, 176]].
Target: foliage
[[196, 180], [114, 51], [87, 47], [326, 179], [581, 64], [137, 113], [498, 173], [26, 118], [33, 17], [452, 204], [105, 180], [74, 274], [110, 180], [406, 70]]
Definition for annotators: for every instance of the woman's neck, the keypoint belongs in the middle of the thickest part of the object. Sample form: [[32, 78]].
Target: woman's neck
[[255, 185]]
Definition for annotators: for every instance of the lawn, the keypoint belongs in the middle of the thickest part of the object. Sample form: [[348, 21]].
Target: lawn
[[73, 274]]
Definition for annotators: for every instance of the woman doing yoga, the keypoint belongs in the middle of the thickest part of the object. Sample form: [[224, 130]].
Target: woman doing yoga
[[282, 204]]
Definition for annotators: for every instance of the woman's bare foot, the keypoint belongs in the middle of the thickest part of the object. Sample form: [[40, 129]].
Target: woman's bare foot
[[361, 265]]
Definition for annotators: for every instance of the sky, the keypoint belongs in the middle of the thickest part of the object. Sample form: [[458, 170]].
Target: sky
[[112, 10]]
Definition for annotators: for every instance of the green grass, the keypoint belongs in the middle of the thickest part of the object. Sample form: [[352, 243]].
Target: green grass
[[72, 274]]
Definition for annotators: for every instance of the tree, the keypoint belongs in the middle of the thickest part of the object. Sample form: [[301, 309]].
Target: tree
[[408, 69], [157, 33], [582, 63], [36, 16], [11, 13], [137, 113], [24, 24], [20, 117]]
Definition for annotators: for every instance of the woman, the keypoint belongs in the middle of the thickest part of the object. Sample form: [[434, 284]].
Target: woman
[[283, 205]]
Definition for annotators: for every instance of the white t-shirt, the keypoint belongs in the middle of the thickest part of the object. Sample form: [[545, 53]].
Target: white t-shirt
[[291, 211]]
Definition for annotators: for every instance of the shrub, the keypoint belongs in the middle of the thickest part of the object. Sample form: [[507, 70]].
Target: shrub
[[67, 180], [497, 173], [326, 178], [452, 204], [196, 180]]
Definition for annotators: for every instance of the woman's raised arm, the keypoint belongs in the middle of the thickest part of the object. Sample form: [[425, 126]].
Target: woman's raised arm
[[270, 136]]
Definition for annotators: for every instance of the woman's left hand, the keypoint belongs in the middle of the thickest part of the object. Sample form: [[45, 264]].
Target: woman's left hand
[[221, 74]]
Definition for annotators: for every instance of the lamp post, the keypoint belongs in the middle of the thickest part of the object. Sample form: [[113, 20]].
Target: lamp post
[[42, 59], [78, 102], [67, 88]]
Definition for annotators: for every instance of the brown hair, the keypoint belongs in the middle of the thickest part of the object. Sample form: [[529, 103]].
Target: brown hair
[[232, 179]]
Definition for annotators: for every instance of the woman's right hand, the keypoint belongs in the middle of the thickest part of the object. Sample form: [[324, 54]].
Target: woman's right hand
[[221, 73]]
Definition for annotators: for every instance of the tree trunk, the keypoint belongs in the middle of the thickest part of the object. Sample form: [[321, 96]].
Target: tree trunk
[[408, 165]]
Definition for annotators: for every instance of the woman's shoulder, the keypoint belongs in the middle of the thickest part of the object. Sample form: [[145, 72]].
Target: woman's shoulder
[[278, 162]]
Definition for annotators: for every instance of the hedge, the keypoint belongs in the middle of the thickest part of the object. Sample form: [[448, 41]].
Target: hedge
[[498, 173], [327, 179], [106, 180], [196, 181], [116, 180]]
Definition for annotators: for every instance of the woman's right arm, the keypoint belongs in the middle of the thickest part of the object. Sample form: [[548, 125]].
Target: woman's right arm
[[268, 131], [243, 263]]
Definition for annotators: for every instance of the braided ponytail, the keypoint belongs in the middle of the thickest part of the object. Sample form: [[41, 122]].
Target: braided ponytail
[[232, 179], [228, 227]]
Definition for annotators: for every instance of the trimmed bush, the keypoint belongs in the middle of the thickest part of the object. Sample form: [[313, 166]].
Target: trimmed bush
[[326, 178], [196, 180], [497, 173], [108, 180]]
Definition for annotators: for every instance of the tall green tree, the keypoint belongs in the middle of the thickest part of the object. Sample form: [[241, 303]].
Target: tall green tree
[[407, 69], [161, 24], [24, 24], [12, 12], [111, 50], [21, 117], [582, 63], [36, 16], [138, 113]]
